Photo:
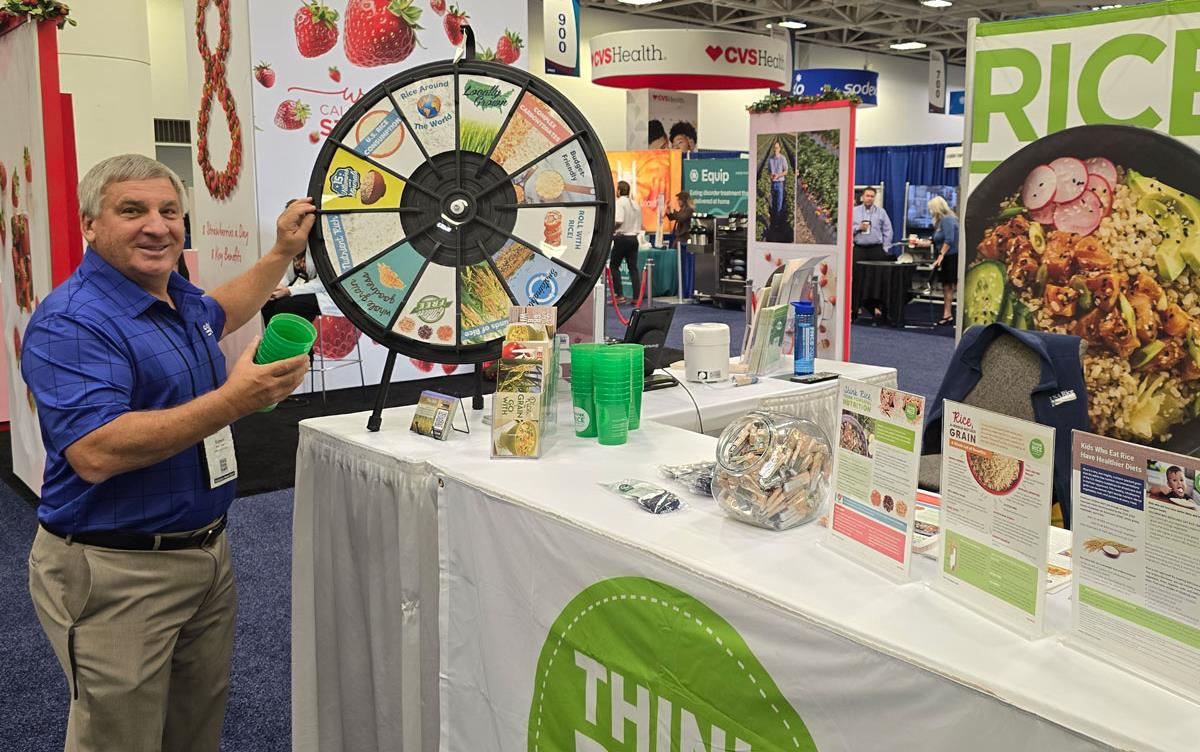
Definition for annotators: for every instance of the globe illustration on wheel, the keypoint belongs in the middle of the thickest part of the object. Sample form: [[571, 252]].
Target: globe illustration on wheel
[[451, 192]]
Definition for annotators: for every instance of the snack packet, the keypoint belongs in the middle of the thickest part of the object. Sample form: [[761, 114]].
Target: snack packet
[[654, 499]]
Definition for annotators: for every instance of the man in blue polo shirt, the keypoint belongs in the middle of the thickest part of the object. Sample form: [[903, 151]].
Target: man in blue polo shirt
[[130, 571]]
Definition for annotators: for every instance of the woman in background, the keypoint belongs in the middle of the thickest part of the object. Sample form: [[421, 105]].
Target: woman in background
[[945, 244], [681, 215]]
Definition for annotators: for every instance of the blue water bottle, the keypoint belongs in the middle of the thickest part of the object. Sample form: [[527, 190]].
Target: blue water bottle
[[806, 337]]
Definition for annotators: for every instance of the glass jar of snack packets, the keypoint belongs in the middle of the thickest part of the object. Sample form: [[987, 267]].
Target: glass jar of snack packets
[[773, 470]]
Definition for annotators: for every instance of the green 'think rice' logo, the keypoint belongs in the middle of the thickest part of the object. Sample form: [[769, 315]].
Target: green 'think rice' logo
[[1037, 449], [633, 664]]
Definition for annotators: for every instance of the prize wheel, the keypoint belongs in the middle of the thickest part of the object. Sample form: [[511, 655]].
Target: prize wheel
[[451, 192]]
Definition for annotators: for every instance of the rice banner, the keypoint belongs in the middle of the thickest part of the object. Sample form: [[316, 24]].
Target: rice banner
[[802, 179], [1083, 202]]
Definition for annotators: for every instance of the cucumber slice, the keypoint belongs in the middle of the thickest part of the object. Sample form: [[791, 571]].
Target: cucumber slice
[[983, 293], [1022, 316], [1006, 311]]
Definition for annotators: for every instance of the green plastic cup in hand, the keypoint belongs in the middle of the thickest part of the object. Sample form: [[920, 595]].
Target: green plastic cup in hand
[[287, 335]]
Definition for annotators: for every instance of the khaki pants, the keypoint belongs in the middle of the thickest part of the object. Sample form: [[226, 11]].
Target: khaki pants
[[145, 639]]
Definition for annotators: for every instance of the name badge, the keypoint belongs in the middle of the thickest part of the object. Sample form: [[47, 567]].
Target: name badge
[[1062, 397], [219, 458]]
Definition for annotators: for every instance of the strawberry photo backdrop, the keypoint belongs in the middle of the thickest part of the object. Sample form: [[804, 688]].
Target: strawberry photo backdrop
[[312, 60], [24, 232]]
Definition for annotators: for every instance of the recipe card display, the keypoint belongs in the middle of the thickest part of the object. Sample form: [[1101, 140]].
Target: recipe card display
[[1136, 532], [875, 476], [997, 479]]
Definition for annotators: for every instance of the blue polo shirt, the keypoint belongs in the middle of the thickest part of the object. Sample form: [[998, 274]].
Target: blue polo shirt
[[98, 347]]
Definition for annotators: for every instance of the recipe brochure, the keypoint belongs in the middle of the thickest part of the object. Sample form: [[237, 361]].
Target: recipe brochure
[[997, 479], [875, 471], [1136, 531]]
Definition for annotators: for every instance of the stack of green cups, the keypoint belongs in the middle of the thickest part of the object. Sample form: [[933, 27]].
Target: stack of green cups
[[287, 335], [583, 357], [613, 394], [637, 355]]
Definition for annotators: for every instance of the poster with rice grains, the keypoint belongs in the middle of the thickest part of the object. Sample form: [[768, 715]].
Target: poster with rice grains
[[997, 478]]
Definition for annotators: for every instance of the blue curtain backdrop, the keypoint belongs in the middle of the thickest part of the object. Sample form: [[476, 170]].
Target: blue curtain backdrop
[[893, 166]]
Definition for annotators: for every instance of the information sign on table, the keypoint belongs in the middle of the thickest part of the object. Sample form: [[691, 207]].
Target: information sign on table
[[875, 476], [997, 478], [1137, 549]]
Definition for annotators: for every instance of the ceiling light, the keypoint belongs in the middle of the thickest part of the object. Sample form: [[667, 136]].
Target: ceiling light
[[936, 3], [905, 46], [770, 25], [639, 2], [793, 24]]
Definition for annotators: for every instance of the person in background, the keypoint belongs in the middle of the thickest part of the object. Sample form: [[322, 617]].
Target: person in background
[[657, 137], [130, 571], [681, 215], [872, 239], [299, 292], [683, 136], [777, 167], [628, 223], [945, 244]]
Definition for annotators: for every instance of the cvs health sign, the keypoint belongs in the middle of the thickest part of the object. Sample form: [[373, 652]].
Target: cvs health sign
[[689, 59]]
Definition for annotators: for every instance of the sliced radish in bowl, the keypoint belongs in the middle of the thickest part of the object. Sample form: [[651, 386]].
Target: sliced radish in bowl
[[1044, 216], [1102, 167], [1039, 187], [1071, 177], [1081, 216], [1100, 186]]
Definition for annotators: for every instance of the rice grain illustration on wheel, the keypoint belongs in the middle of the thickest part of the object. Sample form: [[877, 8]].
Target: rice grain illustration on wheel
[[1093, 231]]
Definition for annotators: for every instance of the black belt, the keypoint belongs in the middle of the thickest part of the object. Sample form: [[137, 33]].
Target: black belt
[[146, 541]]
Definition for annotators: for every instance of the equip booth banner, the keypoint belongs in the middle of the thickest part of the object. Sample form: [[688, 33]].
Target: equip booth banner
[[37, 212], [1083, 182], [287, 92], [718, 186], [802, 165]]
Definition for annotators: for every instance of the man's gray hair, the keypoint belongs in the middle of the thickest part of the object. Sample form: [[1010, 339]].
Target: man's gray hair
[[119, 169]]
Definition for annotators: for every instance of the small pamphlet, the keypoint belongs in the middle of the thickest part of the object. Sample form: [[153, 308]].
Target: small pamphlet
[[875, 469], [435, 415], [1136, 545], [997, 479]]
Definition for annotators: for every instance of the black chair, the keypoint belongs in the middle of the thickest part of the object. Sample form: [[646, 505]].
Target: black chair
[[1011, 371]]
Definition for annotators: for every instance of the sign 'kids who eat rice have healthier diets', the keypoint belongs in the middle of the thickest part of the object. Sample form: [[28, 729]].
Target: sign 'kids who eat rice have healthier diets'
[[1084, 192]]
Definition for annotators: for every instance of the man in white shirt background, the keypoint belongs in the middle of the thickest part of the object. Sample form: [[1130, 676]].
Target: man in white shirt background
[[628, 223]]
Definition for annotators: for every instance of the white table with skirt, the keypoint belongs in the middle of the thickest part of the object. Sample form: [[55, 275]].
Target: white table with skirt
[[365, 578], [404, 544]]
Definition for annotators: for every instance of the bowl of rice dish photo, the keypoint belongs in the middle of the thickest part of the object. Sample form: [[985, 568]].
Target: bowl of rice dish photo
[[1094, 231], [998, 474]]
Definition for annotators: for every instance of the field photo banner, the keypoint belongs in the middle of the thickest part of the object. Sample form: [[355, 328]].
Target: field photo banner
[[802, 197]]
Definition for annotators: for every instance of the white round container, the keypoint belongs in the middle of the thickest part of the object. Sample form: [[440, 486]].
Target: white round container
[[706, 352]]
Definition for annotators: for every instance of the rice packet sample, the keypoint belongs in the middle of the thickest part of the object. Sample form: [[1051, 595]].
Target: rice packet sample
[[435, 415], [653, 499], [523, 416]]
